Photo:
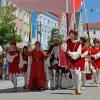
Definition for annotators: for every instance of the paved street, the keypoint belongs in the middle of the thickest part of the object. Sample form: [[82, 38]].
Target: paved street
[[91, 93]]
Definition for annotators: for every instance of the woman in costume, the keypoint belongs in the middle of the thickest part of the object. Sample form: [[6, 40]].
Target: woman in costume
[[95, 56], [13, 57], [37, 78], [24, 64]]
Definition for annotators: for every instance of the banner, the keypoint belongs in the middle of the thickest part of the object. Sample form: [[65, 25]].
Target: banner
[[76, 4], [34, 22]]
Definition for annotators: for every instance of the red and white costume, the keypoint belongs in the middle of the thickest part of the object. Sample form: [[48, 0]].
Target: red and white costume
[[24, 66], [74, 54], [95, 53], [84, 58], [84, 63], [13, 58], [24, 62], [73, 60]]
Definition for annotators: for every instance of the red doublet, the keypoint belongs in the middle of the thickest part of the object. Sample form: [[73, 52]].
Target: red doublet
[[14, 65], [25, 66], [37, 74], [96, 62], [72, 46], [82, 60]]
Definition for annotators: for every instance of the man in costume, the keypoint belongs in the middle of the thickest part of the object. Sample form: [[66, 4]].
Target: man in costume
[[13, 57], [73, 54], [84, 60], [95, 56], [57, 60]]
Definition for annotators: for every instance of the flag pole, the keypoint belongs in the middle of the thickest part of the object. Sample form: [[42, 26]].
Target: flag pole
[[30, 28], [87, 27], [74, 15], [67, 17]]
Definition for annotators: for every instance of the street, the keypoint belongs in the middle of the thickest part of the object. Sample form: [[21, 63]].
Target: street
[[91, 93], [50, 43]]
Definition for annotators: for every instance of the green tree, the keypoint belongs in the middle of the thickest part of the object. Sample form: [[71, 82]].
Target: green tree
[[7, 24], [55, 31]]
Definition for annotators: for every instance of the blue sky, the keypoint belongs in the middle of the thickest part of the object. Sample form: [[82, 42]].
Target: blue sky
[[94, 16]]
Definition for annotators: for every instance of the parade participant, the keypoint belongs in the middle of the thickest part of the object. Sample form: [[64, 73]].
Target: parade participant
[[24, 65], [37, 75], [73, 55], [1, 63], [47, 71], [54, 61], [57, 58], [95, 54], [84, 60], [30, 48], [13, 57]]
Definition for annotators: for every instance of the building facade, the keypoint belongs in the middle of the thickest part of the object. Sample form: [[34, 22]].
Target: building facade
[[22, 22], [94, 31], [45, 23], [31, 24]]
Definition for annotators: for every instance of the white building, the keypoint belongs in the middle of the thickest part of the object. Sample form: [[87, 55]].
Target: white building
[[47, 22], [94, 30], [22, 27], [63, 26]]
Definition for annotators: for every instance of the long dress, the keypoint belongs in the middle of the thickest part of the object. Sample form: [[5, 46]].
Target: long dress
[[37, 74], [13, 58]]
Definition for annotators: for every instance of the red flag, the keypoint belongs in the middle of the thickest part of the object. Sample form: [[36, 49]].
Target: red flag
[[76, 4]]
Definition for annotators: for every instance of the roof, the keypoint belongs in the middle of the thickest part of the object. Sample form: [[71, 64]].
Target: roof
[[93, 26], [55, 6]]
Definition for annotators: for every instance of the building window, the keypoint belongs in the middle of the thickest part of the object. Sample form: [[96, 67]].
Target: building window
[[44, 18], [27, 15], [41, 17], [48, 21]]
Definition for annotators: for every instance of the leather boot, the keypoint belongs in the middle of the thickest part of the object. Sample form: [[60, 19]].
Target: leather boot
[[96, 83], [78, 91]]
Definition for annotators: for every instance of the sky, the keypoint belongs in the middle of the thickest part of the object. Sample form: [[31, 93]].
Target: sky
[[94, 16]]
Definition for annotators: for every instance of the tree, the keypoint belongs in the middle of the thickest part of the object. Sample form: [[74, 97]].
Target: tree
[[55, 31], [7, 24]]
